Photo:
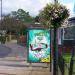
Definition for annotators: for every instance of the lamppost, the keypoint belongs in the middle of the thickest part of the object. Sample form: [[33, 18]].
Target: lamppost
[[55, 53], [1, 20], [1, 13]]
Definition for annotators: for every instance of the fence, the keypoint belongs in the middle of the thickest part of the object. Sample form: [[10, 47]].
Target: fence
[[66, 62]]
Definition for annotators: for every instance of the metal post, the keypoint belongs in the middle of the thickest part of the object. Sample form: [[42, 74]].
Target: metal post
[[72, 62], [1, 13], [55, 51]]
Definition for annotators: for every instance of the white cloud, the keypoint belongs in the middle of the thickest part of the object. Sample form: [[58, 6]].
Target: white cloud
[[44, 2], [40, 5], [70, 6], [12, 5], [33, 6]]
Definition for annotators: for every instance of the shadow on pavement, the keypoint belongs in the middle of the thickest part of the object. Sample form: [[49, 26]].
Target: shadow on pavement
[[4, 51]]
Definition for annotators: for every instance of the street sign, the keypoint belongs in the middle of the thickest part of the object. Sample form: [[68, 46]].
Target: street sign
[[39, 45]]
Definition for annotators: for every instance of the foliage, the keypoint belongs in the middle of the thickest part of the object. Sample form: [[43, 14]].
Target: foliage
[[23, 16], [15, 21], [23, 30], [53, 15], [37, 19], [2, 39], [9, 24]]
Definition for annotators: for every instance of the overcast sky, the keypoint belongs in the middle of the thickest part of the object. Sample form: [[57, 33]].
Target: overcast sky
[[32, 6]]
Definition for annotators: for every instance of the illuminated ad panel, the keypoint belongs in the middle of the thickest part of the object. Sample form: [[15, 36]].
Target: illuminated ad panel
[[39, 45]]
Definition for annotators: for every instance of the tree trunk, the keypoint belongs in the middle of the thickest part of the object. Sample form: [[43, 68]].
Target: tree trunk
[[10, 36], [55, 53]]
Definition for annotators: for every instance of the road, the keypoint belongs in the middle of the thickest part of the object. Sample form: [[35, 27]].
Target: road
[[13, 61]]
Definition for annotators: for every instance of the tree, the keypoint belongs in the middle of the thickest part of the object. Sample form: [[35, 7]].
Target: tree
[[15, 21], [37, 19], [13, 26], [9, 24], [53, 16], [23, 16]]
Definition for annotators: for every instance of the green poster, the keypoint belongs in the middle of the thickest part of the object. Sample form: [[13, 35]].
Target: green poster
[[39, 45]]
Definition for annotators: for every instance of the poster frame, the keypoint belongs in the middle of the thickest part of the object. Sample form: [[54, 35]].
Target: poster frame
[[28, 45]]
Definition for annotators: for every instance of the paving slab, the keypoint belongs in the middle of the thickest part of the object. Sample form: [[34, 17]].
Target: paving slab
[[16, 63], [40, 73], [23, 71], [39, 64]]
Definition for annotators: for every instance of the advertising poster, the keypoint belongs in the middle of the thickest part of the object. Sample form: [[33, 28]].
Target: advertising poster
[[39, 45]]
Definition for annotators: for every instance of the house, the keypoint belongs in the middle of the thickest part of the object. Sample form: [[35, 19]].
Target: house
[[66, 36]]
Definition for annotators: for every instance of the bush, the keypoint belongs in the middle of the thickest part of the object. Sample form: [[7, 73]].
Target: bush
[[2, 39]]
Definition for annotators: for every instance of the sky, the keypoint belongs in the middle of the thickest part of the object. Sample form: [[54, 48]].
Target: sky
[[32, 6]]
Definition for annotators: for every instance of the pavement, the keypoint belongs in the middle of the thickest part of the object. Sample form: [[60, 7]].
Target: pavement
[[4, 51], [13, 61]]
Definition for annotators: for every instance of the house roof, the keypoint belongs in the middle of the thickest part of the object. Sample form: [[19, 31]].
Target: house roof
[[71, 19], [34, 25]]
